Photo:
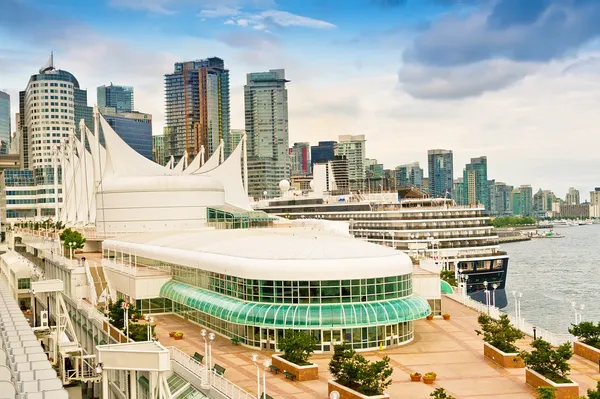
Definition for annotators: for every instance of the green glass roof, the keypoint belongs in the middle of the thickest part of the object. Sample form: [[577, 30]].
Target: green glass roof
[[359, 314], [446, 288]]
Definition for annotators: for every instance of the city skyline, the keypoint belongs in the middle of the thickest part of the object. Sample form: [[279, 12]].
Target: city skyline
[[375, 76]]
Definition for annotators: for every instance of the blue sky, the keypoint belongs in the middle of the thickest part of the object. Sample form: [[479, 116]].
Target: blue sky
[[515, 80]]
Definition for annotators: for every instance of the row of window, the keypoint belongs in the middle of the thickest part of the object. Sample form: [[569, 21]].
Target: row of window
[[52, 84]]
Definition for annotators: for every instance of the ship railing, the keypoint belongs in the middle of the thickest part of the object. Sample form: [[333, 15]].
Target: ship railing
[[527, 328]]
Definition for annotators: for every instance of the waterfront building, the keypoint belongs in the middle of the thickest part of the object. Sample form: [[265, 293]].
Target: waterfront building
[[542, 203], [476, 189], [5, 124], [389, 180], [158, 149], [595, 203], [116, 98], [353, 148], [266, 110], [197, 108], [322, 152], [572, 197], [500, 198], [459, 191], [580, 211], [526, 200], [300, 159], [441, 173], [135, 128], [410, 174], [516, 201]]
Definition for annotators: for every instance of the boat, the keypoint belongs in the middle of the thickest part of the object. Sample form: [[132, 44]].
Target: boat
[[459, 236], [549, 234], [561, 223]]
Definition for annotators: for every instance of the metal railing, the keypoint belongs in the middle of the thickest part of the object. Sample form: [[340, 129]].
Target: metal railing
[[217, 382], [519, 322]]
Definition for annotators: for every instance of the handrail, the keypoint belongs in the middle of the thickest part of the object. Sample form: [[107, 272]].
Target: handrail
[[217, 382]]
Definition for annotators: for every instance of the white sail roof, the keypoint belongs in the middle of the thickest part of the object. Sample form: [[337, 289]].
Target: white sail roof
[[196, 163], [212, 162], [178, 169]]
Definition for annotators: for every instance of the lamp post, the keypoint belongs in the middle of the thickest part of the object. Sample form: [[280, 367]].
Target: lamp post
[[205, 382], [266, 364], [518, 306], [494, 286], [255, 360], [125, 306], [577, 314], [71, 245], [487, 296], [149, 321], [211, 338]]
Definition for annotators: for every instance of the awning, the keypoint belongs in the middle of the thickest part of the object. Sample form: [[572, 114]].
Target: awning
[[445, 287]]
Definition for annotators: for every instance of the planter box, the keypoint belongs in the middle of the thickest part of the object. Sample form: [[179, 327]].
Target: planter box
[[347, 393], [302, 373], [563, 391], [586, 351], [506, 360]]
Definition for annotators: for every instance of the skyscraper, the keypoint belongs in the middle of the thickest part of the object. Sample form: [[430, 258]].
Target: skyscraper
[[119, 98], [373, 175], [500, 198], [459, 191], [516, 201], [197, 108], [353, 148], [526, 200], [476, 182], [322, 152], [411, 174], [572, 197], [135, 128], [266, 110], [158, 149], [301, 159], [441, 172], [595, 203], [235, 136], [5, 125]]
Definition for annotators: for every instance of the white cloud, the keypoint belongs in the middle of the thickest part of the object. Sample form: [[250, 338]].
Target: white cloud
[[169, 7], [264, 19], [220, 12]]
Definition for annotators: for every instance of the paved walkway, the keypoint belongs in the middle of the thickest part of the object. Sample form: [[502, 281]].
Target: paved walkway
[[449, 348]]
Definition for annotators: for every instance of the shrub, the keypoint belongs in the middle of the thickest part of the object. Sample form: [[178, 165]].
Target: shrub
[[355, 372], [430, 374], [499, 333], [594, 394], [449, 277], [440, 393], [139, 332], [549, 362], [546, 392], [68, 236], [116, 314], [297, 346], [587, 332], [415, 374]]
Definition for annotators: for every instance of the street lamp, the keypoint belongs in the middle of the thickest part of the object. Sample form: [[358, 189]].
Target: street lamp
[[149, 321], [254, 358], [494, 286], [518, 306], [334, 395], [577, 314], [205, 382], [71, 245], [125, 306], [266, 364], [211, 338], [487, 296]]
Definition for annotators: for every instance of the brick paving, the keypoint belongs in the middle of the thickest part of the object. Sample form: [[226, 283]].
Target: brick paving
[[450, 348]]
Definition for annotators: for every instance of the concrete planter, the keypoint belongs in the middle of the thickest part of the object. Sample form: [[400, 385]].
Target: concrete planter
[[586, 351], [506, 360], [347, 393], [563, 391], [302, 373]]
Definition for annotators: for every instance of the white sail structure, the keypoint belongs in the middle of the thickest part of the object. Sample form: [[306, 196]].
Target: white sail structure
[[212, 162], [196, 163], [181, 165]]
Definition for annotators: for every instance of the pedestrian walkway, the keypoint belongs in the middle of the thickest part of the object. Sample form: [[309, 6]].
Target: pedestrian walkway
[[450, 348]]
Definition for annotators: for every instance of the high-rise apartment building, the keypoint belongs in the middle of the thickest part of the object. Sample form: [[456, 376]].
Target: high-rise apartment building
[[197, 108], [135, 128], [516, 201], [476, 182], [572, 197], [5, 125], [158, 149], [266, 110], [301, 161], [373, 175], [500, 198], [235, 136], [322, 152], [595, 203], [410, 174], [526, 200], [116, 98], [459, 191], [441, 172], [353, 148]]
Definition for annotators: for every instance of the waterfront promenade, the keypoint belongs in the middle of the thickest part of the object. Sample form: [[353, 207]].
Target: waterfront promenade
[[450, 348]]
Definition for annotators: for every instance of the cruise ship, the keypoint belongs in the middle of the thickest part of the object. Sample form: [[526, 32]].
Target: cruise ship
[[409, 221]]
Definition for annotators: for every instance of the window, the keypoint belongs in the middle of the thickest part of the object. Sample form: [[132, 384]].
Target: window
[[24, 284]]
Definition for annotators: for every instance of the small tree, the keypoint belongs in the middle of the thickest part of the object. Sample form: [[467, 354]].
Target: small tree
[[139, 332], [594, 394], [297, 346], [546, 392], [440, 393], [549, 362], [354, 371], [72, 236], [448, 276], [116, 313], [587, 332], [499, 333]]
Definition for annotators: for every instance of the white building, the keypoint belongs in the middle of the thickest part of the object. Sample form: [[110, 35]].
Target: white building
[[353, 148], [572, 197], [595, 203]]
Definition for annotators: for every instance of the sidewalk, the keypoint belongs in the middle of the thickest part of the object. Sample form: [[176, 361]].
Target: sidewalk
[[451, 348]]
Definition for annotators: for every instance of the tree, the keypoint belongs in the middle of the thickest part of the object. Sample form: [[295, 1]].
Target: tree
[[499, 333], [587, 332], [448, 276], [594, 394], [549, 362], [354, 371], [139, 332], [440, 393], [546, 392], [72, 236], [297, 346], [116, 313]]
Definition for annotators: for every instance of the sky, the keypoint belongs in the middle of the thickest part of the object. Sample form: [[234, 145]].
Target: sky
[[515, 80]]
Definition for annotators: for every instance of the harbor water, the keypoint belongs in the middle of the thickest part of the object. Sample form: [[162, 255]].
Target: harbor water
[[552, 273]]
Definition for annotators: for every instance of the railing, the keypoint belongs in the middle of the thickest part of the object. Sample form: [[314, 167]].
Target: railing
[[527, 328], [217, 382]]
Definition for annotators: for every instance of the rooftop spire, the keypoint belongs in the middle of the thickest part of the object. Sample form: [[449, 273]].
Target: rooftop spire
[[49, 64]]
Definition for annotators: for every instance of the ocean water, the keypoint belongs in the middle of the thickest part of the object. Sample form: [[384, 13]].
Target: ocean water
[[553, 273]]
